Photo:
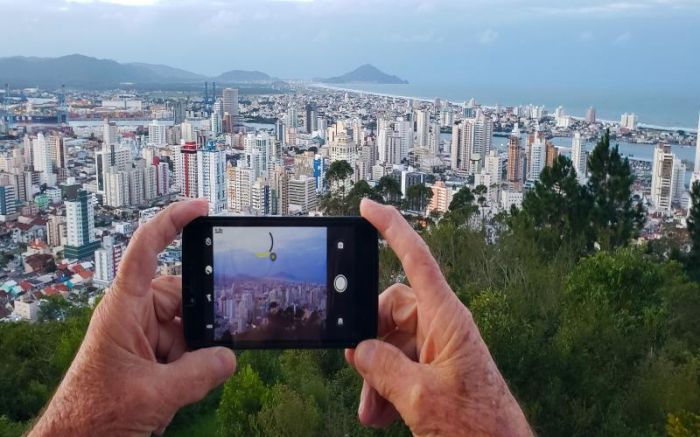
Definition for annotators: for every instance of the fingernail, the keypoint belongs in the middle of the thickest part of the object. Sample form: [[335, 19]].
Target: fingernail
[[226, 362], [364, 353]]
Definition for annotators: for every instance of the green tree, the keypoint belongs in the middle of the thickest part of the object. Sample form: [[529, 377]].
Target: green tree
[[389, 189], [418, 197], [615, 219], [693, 260], [337, 175], [558, 209], [359, 191], [461, 207], [241, 400], [286, 413]]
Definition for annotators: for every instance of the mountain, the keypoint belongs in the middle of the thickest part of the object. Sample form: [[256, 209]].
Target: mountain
[[85, 71], [366, 74], [244, 76], [169, 73]]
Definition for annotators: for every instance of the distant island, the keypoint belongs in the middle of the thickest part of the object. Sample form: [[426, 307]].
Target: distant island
[[85, 71], [367, 74]]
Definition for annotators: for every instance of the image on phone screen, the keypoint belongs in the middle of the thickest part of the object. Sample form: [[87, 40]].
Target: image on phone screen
[[270, 283]]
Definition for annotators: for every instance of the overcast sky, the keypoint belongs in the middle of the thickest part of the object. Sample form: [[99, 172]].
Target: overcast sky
[[615, 43]]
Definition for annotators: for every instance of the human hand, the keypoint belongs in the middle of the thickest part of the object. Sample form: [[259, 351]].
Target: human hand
[[132, 372], [432, 367]]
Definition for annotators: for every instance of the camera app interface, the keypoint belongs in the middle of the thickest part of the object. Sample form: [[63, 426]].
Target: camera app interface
[[269, 283]]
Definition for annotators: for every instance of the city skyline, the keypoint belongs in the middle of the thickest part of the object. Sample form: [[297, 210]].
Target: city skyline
[[480, 42]]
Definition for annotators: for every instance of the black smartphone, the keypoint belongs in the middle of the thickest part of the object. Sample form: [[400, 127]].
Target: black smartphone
[[279, 282]]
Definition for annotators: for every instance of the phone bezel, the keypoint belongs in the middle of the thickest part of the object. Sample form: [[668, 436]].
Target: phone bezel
[[196, 284]]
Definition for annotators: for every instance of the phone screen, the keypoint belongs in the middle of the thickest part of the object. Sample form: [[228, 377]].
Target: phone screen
[[270, 283]]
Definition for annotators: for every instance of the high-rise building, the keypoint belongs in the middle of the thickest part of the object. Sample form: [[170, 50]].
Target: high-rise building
[[494, 166], [695, 178], [260, 197], [188, 133], [239, 183], [55, 230], [292, 116], [591, 115], [422, 134], [628, 121], [552, 153], [110, 134], [8, 202], [158, 133], [537, 159], [211, 174], [58, 150], [471, 142], [162, 179], [80, 225], [666, 171], [186, 170], [107, 260], [302, 195], [230, 102], [279, 191], [579, 157], [515, 159], [442, 197], [41, 159], [116, 194], [311, 118], [435, 138]]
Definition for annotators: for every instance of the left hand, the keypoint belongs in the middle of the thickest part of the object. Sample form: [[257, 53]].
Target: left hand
[[132, 372]]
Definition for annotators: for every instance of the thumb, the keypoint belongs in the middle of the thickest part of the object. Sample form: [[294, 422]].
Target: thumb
[[195, 374], [388, 370]]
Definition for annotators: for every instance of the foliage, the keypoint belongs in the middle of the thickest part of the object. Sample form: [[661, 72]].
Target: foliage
[[614, 217], [417, 198], [389, 189], [693, 259]]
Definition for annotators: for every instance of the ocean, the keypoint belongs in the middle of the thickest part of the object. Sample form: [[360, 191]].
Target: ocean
[[668, 108]]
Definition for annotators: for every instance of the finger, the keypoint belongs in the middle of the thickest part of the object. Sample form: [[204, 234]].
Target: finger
[[171, 341], [397, 310], [137, 268], [388, 370], [421, 268], [374, 410], [167, 297], [195, 374]]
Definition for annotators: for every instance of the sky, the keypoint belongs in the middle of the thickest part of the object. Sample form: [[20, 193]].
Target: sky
[[300, 252], [573, 42]]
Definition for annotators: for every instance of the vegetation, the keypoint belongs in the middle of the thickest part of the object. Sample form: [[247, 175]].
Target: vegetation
[[594, 335]]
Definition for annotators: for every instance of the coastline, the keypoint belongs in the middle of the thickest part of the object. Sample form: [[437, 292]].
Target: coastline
[[424, 99]]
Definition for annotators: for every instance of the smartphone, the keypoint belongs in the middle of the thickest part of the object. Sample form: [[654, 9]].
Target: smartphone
[[279, 282]]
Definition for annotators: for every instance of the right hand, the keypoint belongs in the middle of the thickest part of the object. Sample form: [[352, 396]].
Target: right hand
[[432, 367]]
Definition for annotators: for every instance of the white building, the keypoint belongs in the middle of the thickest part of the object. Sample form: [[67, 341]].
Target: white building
[[302, 195], [579, 158], [107, 261], [667, 179], [628, 121], [211, 177], [158, 133]]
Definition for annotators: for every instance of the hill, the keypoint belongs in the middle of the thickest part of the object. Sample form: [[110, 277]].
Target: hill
[[244, 76], [85, 71], [366, 74]]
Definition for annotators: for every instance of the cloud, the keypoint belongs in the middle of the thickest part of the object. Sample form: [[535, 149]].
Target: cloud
[[118, 2], [488, 36]]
